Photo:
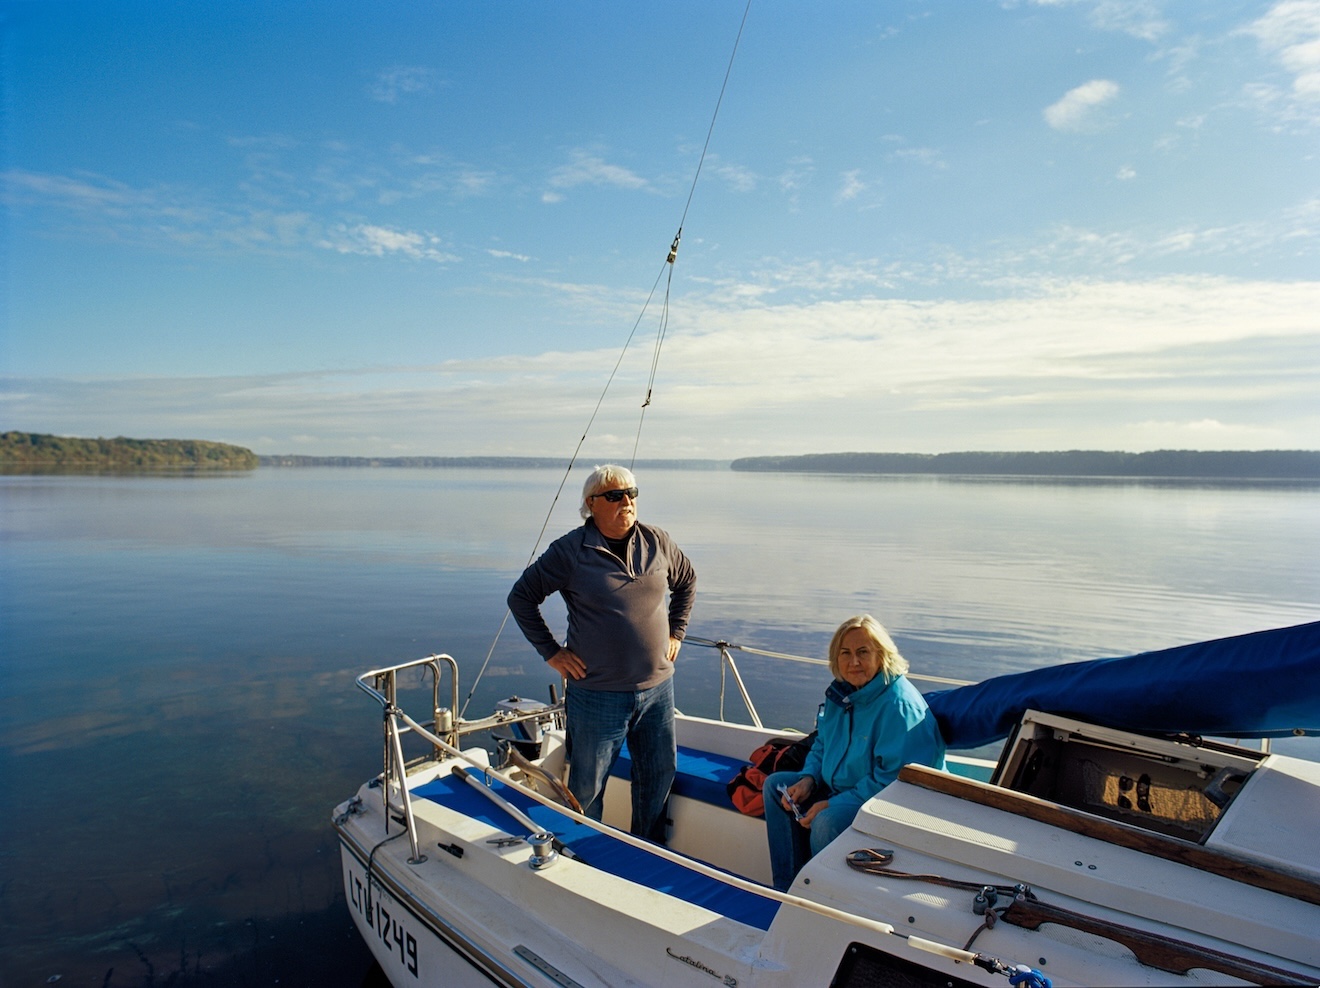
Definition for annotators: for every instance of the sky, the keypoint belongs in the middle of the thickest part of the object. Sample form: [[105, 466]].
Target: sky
[[441, 228]]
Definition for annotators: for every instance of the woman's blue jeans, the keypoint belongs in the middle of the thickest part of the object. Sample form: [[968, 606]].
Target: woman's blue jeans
[[791, 844], [599, 722]]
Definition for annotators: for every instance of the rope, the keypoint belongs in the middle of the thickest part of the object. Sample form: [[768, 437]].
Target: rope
[[874, 861], [733, 646], [655, 359]]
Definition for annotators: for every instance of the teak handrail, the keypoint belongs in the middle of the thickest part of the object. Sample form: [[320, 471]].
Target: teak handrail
[[1088, 825]]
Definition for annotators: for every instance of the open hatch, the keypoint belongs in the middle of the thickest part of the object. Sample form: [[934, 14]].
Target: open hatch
[[1176, 787]]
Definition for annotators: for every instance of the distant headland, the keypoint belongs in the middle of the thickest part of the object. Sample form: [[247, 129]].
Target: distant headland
[[1165, 463], [22, 451]]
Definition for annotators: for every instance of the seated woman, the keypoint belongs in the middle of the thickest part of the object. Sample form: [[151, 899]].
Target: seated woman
[[873, 722]]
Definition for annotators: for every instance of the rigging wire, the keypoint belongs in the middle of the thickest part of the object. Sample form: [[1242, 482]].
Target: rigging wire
[[673, 249], [668, 266]]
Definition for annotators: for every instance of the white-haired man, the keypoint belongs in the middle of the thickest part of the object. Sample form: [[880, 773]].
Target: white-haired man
[[614, 575]]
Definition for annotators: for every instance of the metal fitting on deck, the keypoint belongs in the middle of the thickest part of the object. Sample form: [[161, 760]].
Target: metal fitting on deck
[[543, 850]]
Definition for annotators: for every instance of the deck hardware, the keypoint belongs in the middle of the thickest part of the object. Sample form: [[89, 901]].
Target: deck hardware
[[545, 967], [352, 808], [1152, 950], [453, 849], [1214, 789], [505, 841], [869, 858], [543, 850], [985, 900]]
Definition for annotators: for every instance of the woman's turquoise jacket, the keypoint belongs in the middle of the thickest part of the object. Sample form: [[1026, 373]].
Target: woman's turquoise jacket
[[867, 735]]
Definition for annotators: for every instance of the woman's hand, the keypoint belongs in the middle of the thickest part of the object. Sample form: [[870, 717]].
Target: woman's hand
[[671, 653], [810, 815], [800, 791]]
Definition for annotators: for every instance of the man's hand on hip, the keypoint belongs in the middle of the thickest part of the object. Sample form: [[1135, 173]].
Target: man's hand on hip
[[567, 664]]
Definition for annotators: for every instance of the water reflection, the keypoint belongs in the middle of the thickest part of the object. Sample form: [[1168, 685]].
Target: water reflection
[[178, 652]]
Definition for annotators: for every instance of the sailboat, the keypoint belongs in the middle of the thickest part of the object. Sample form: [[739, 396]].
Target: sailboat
[[1117, 838], [1093, 850]]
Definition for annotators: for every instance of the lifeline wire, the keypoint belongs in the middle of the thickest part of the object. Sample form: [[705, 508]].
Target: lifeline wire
[[668, 265]]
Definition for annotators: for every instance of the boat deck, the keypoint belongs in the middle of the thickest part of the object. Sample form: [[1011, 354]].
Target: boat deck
[[968, 838], [604, 852]]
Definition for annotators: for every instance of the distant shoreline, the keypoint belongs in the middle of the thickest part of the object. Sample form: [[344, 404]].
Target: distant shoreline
[[1175, 464], [33, 452], [30, 451], [1162, 464], [486, 462]]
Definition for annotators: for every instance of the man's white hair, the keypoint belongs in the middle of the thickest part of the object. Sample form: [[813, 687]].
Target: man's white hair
[[609, 477]]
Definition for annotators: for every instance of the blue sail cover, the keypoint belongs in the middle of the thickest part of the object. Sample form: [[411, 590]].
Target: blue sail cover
[[1265, 684]]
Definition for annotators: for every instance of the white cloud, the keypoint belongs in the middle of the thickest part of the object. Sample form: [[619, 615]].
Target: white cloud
[[736, 177], [796, 176], [1076, 111], [587, 168], [157, 217], [399, 80], [1290, 33], [379, 241], [1200, 362], [1139, 18], [81, 192], [1126, 173], [165, 217], [922, 156], [850, 186]]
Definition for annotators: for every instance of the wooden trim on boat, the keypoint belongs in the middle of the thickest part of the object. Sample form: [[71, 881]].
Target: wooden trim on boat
[[1152, 949], [1088, 825]]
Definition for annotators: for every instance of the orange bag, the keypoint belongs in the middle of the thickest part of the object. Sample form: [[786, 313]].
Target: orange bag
[[776, 755]]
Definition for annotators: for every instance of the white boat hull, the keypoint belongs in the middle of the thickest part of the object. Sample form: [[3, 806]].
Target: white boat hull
[[470, 904], [412, 948]]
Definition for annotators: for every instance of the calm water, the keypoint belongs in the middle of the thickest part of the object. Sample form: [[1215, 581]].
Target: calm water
[[177, 711]]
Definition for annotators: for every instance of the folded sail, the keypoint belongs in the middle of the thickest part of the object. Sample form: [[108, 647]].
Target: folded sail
[[1265, 684]]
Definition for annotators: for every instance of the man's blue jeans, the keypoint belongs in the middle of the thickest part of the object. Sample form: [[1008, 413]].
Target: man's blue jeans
[[598, 724], [791, 844]]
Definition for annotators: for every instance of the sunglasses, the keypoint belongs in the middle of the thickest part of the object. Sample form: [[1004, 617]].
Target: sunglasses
[[614, 497]]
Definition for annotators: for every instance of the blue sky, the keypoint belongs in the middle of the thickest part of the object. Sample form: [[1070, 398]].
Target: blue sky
[[430, 228]]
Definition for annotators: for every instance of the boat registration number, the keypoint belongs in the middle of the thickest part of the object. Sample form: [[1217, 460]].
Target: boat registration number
[[389, 927]]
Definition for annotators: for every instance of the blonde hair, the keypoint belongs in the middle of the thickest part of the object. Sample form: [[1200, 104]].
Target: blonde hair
[[610, 476], [892, 664]]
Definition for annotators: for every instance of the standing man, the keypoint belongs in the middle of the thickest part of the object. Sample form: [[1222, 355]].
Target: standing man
[[613, 574]]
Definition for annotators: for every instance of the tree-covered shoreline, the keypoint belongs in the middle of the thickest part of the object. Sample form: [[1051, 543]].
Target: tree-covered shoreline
[[1167, 463], [21, 450]]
